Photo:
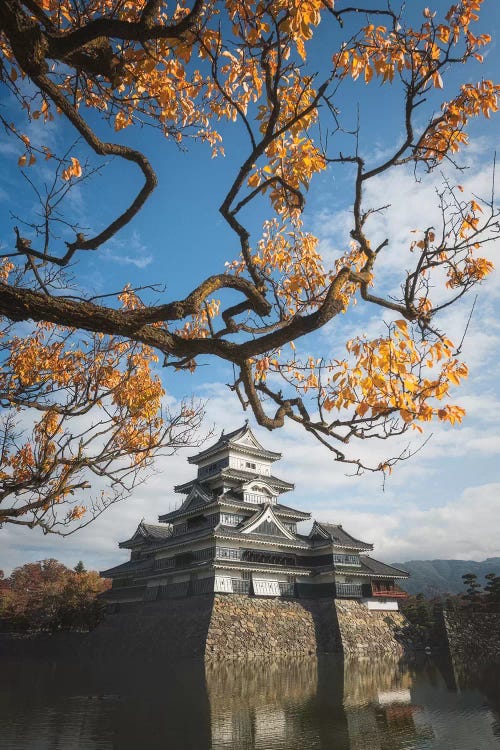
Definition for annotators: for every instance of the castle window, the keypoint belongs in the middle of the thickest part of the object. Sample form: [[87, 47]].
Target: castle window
[[164, 562], [228, 553], [230, 519], [251, 497], [183, 559], [250, 465], [205, 471], [346, 559]]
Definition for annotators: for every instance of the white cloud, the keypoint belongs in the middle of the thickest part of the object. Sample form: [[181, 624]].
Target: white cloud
[[416, 517], [464, 528], [440, 504], [131, 252]]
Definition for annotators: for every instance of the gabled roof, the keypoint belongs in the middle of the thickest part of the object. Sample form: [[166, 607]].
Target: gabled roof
[[377, 568], [229, 499], [368, 567], [243, 439], [262, 487], [238, 474], [265, 515], [198, 496], [131, 567], [337, 535], [230, 532], [145, 533]]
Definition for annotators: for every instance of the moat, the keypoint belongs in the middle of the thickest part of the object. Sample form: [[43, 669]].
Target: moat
[[307, 703]]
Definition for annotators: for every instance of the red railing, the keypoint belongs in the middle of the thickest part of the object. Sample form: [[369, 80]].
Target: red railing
[[390, 594]]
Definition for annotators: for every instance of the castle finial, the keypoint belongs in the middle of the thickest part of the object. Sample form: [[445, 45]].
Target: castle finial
[[246, 422]]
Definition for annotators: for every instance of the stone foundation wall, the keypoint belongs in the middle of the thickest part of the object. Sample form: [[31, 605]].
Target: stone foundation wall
[[475, 635], [369, 632], [245, 626], [233, 626], [175, 628]]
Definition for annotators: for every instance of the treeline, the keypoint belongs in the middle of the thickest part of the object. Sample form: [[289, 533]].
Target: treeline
[[46, 595], [487, 594], [425, 612]]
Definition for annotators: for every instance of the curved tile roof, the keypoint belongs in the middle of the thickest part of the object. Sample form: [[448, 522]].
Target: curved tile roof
[[147, 532], [375, 567], [233, 437], [338, 536]]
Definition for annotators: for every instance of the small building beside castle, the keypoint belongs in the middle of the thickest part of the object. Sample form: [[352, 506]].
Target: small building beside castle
[[232, 534]]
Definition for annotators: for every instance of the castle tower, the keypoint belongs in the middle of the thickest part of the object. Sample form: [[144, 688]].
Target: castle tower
[[233, 535]]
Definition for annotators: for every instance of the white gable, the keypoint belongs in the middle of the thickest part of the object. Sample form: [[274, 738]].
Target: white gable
[[259, 492], [248, 439], [196, 497], [265, 516], [261, 487], [318, 531]]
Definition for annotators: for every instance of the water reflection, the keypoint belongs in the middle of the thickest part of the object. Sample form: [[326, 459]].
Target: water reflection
[[256, 704], [103, 705], [325, 704], [378, 705]]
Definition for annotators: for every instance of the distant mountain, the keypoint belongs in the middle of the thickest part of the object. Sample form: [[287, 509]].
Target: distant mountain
[[432, 577]]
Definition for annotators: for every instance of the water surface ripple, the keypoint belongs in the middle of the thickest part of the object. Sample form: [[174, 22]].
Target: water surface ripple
[[311, 703]]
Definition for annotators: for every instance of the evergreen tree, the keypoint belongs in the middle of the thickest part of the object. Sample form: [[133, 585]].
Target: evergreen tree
[[80, 567], [492, 588], [473, 588]]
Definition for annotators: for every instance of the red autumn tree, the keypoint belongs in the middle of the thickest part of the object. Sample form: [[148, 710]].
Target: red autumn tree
[[47, 595]]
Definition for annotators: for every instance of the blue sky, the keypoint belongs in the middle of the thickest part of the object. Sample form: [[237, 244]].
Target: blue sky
[[442, 503]]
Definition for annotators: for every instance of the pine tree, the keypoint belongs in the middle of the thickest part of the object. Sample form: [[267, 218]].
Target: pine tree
[[492, 588], [473, 588]]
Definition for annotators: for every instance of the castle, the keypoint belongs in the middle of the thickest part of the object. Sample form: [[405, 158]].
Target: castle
[[233, 535]]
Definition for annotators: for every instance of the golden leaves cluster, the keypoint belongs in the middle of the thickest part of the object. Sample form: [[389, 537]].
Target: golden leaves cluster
[[289, 258], [74, 169], [65, 377], [391, 375], [447, 134], [421, 53]]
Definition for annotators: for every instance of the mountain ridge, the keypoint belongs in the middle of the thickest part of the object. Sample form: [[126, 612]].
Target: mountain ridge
[[437, 577]]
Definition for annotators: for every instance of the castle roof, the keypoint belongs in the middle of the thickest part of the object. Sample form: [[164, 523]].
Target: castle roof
[[242, 440], [375, 567], [368, 567], [230, 532], [198, 497], [192, 505], [146, 532], [337, 535], [131, 567], [278, 508], [239, 474]]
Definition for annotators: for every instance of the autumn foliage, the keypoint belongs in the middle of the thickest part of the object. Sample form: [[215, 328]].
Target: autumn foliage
[[191, 70], [98, 416], [47, 595]]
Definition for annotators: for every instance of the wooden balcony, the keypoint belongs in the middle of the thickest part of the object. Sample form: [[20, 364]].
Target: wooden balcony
[[390, 594], [348, 590]]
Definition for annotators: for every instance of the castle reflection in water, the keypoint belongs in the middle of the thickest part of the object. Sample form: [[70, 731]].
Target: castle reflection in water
[[107, 703], [327, 703]]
